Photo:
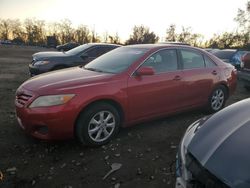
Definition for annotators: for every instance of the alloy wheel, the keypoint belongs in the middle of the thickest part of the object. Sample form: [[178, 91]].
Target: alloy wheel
[[101, 126], [217, 99]]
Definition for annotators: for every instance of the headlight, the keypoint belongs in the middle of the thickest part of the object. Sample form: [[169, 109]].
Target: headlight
[[51, 100], [41, 62]]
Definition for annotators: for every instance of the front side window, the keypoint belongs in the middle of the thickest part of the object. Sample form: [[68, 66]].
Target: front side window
[[97, 51], [191, 59], [78, 50], [163, 61]]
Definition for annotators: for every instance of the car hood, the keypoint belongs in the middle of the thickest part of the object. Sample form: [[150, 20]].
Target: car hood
[[222, 145], [47, 55], [65, 80]]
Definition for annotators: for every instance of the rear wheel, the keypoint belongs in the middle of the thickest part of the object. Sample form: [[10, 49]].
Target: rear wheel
[[98, 124], [217, 99]]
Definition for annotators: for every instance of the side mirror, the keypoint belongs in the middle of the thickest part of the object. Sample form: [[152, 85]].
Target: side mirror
[[144, 71]]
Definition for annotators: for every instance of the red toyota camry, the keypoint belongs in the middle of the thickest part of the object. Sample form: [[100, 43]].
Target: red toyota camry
[[128, 85]]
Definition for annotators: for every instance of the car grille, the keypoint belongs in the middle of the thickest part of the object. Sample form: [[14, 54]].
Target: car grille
[[22, 99], [201, 178]]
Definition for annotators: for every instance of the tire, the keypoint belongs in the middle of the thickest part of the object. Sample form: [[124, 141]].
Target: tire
[[217, 99], [98, 124]]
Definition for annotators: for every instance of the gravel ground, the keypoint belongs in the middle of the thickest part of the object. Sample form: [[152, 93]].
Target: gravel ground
[[146, 151]]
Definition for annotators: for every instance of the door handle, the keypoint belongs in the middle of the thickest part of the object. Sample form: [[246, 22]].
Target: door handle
[[214, 72], [177, 78]]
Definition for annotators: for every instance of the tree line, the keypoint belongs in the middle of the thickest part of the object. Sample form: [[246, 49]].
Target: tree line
[[35, 32]]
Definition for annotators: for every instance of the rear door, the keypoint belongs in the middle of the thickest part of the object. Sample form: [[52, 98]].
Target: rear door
[[157, 94], [200, 73]]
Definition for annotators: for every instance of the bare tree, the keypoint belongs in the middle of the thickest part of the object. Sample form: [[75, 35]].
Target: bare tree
[[94, 36], [82, 34], [5, 28], [243, 18], [142, 35], [114, 39], [35, 30], [171, 34], [187, 36], [66, 32]]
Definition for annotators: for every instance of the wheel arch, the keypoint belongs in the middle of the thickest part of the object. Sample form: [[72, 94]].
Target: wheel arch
[[224, 84], [112, 102]]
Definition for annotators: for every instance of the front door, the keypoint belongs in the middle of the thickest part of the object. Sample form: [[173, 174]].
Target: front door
[[158, 94]]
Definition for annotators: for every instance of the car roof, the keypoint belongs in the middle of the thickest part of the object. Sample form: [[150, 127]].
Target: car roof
[[102, 44], [177, 43], [159, 45], [228, 50]]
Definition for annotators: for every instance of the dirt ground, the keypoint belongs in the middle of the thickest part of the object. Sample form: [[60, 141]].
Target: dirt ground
[[146, 151]]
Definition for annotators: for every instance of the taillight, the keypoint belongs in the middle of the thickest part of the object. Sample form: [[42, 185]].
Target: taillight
[[242, 64]]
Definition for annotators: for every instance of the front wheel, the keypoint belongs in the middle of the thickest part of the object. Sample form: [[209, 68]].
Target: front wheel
[[217, 99], [98, 124]]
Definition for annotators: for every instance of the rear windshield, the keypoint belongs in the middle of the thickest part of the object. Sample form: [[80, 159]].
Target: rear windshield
[[224, 54]]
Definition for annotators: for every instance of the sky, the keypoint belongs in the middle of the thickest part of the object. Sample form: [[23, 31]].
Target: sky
[[206, 17]]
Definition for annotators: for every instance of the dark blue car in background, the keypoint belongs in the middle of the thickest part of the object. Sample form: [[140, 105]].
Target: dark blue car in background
[[214, 151], [231, 56]]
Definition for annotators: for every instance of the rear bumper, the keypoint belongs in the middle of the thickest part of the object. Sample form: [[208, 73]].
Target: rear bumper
[[245, 77]]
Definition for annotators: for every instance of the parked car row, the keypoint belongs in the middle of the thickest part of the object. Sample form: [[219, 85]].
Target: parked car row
[[128, 85], [214, 149], [136, 83], [7, 42], [48, 61], [231, 56]]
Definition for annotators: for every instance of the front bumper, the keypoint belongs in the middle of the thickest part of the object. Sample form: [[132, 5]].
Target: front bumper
[[189, 171], [47, 123], [54, 123], [34, 70]]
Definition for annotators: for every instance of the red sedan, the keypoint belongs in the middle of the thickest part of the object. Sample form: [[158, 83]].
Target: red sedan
[[128, 85]]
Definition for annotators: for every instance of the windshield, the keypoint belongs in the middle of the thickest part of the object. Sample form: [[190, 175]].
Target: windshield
[[117, 60], [224, 54], [78, 49]]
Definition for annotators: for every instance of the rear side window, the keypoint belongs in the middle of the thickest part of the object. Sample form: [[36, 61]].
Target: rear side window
[[223, 54], [191, 59], [97, 51], [209, 62]]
